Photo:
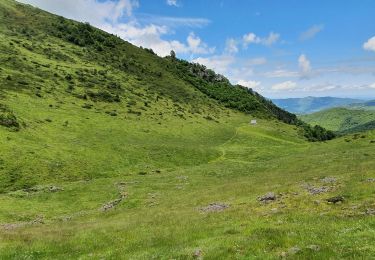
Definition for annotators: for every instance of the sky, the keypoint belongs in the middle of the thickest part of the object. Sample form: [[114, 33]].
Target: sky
[[289, 48]]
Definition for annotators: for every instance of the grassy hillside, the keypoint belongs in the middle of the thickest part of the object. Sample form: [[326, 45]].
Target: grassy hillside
[[343, 120], [312, 104], [110, 152]]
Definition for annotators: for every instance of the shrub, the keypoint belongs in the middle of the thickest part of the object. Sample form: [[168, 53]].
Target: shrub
[[8, 119], [104, 96]]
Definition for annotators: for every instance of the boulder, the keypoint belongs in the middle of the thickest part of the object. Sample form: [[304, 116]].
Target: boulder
[[270, 196]]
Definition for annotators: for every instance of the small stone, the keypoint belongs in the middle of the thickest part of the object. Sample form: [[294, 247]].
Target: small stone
[[315, 190], [313, 247], [337, 199], [270, 196], [294, 250], [198, 253], [215, 207], [329, 180], [55, 189]]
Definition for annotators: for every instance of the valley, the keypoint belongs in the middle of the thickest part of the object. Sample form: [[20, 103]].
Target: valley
[[108, 151]]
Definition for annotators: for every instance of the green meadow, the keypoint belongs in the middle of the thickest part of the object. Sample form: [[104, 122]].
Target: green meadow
[[110, 152]]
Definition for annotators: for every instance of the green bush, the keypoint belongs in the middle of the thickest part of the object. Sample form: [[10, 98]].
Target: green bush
[[8, 119]]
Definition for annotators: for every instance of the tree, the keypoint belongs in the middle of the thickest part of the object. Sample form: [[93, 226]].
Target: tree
[[173, 54]]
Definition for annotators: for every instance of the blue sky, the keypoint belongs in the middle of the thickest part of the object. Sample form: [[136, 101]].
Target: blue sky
[[289, 48]]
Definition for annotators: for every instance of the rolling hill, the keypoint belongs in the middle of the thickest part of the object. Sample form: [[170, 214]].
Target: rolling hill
[[108, 151], [343, 120], [309, 105]]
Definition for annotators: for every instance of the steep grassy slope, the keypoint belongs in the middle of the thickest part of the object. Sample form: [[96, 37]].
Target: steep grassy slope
[[46, 54], [343, 120], [110, 152], [312, 104]]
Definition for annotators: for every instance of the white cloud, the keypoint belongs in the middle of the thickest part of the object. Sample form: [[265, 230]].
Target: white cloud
[[271, 39], [196, 46], [172, 2], [150, 37], [372, 85], [304, 65], [256, 61], [281, 73], [311, 32], [370, 44], [173, 22], [92, 11], [107, 15], [252, 38], [322, 88], [219, 64], [249, 84], [231, 46], [287, 85]]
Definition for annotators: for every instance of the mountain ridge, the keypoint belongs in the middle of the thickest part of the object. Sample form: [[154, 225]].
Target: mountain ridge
[[311, 104]]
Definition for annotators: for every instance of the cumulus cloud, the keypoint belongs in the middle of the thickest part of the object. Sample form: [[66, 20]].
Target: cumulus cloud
[[304, 65], [271, 39], [219, 63], [118, 18], [311, 32], [172, 2], [370, 44], [249, 84], [287, 85], [95, 12], [196, 46], [252, 38], [231, 46]]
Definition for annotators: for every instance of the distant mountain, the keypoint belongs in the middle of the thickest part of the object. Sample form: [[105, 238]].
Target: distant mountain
[[343, 120], [313, 104], [368, 105]]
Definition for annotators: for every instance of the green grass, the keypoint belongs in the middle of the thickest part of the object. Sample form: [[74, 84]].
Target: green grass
[[169, 150], [342, 120], [230, 162]]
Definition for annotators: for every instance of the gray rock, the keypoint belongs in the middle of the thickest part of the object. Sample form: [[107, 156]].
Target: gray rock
[[270, 196], [198, 253], [55, 189], [112, 204], [313, 247], [336, 199], [329, 180], [293, 250], [316, 190], [215, 207]]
